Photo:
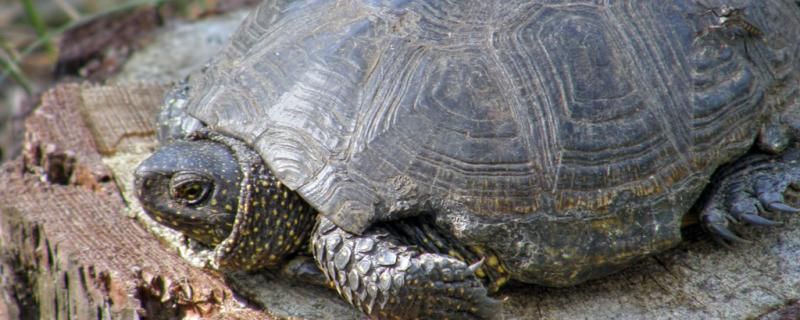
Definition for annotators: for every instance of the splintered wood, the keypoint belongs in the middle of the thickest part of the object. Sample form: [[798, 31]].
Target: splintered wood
[[75, 254], [62, 218]]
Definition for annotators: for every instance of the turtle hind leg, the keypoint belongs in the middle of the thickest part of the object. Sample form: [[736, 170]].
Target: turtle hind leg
[[746, 189], [387, 279]]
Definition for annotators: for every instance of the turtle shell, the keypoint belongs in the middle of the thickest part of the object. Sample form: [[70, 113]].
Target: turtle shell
[[568, 137]]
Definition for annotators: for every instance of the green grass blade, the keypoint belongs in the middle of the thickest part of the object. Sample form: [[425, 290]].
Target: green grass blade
[[11, 69], [38, 25]]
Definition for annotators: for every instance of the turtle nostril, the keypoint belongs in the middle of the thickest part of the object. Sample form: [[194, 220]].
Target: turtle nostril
[[138, 184], [142, 178]]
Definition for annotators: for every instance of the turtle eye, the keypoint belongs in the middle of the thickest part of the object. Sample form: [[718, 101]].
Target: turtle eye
[[189, 188]]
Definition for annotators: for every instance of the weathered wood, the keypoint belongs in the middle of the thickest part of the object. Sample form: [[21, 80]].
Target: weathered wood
[[121, 118], [63, 222]]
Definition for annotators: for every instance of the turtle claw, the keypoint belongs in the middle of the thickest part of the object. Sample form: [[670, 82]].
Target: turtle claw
[[475, 266], [752, 186], [758, 220], [725, 234], [304, 269], [389, 280], [716, 222], [781, 207]]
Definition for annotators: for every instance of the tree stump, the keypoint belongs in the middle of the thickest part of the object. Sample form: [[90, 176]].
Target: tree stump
[[74, 247], [75, 253]]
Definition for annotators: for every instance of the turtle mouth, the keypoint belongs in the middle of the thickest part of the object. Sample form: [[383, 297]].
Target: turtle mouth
[[201, 223], [148, 189]]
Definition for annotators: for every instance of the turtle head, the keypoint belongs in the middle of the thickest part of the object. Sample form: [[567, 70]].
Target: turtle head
[[217, 190], [192, 187]]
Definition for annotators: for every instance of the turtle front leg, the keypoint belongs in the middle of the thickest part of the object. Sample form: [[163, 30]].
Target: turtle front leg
[[748, 188], [388, 280]]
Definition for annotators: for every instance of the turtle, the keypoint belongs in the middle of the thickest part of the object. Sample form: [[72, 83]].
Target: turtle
[[425, 153]]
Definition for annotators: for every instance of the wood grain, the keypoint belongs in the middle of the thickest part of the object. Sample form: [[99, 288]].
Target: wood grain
[[63, 221], [65, 228]]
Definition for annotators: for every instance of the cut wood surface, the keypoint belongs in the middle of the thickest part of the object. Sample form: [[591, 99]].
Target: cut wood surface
[[65, 222], [75, 245]]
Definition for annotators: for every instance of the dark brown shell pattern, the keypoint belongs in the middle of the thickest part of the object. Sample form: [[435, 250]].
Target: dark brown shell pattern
[[570, 137]]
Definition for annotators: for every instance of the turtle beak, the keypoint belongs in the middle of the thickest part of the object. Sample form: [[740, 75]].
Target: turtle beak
[[147, 185], [142, 178]]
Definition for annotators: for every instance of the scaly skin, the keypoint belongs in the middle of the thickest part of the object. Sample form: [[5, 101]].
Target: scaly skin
[[272, 223], [397, 270], [190, 193], [388, 280], [264, 222], [750, 186], [217, 190]]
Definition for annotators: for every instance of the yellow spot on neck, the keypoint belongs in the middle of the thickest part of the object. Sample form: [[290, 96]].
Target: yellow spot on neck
[[492, 261]]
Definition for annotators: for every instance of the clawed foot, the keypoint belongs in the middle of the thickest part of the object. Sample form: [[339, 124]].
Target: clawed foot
[[388, 280], [745, 190]]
